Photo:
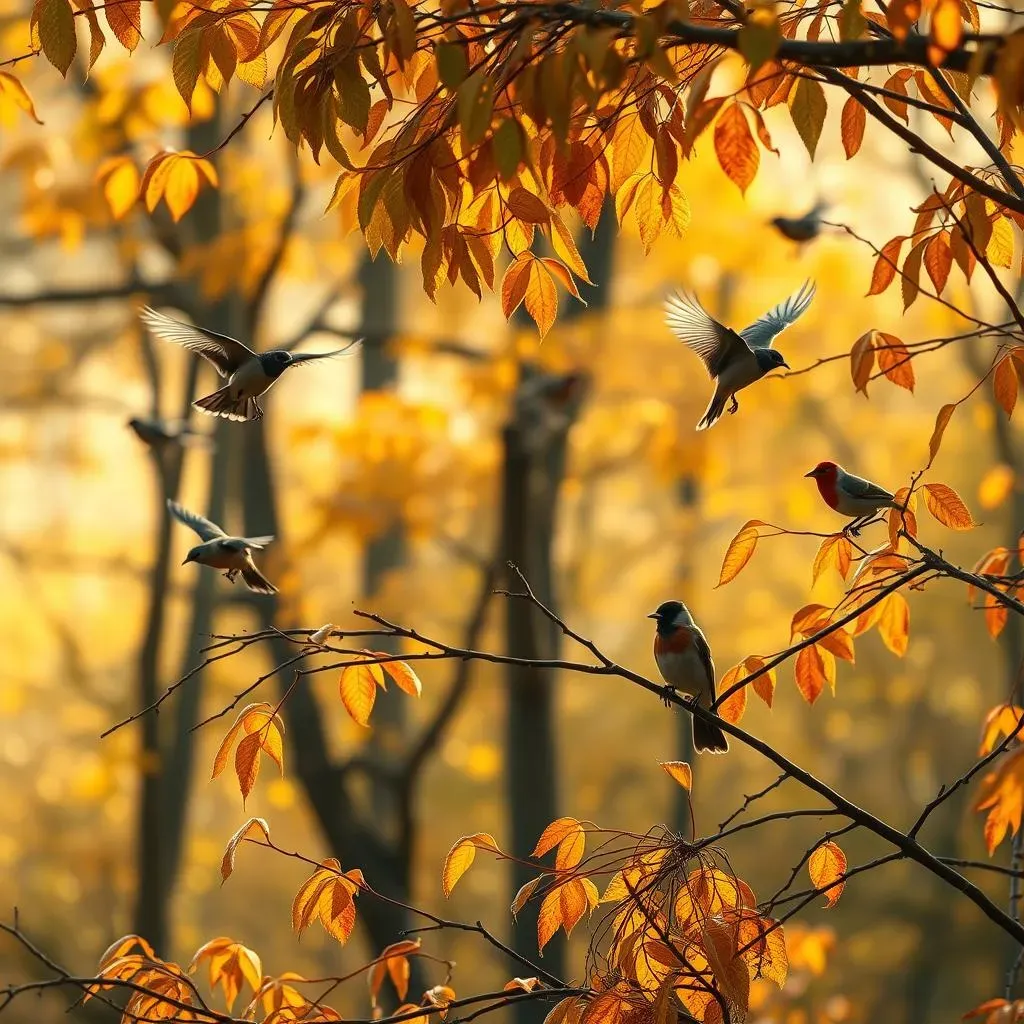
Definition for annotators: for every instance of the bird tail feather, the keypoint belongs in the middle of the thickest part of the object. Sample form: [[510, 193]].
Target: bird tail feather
[[256, 581], [708, 737], [714, 411], [220, 403]]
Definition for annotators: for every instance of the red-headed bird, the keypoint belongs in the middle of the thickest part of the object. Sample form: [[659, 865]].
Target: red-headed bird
[[684, 661], [850, 495], [735, 361], [249, 374]]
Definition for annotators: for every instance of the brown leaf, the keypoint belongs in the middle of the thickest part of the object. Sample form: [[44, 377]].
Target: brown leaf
[[938, 260], [1004, 383], [56, 24], [528, 207], [862, 361], [808, 107], [826, 865], [885, 266]]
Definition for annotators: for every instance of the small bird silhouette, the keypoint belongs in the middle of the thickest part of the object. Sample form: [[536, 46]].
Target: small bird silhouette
[[249, 374], [735, 361], [802, 229], [684, 661], [850, 495], [220, 551], [161, 434]]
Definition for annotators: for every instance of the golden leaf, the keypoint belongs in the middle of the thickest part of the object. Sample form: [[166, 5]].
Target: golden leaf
[[735, 147], [740, 550], [358, 688], [947, 507], [252, 826], [461, 856], [680, 771], [826, 866]]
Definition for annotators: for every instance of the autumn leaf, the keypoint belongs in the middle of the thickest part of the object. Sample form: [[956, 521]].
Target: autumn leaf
[[176, 178], [515, 283], [808, 108], [740, 551], [1003, 720], [120, 179], [262, 730], [1001, 793], [55, 22], [735, 146], [680, 771], [231, 965], [392, 963], [862, 361], [812, 672], [541, 297], [826, 866], [835, 552], [885, 266], [461, 856], [1005, 383], [525, 892], [947, 507], [247, 831], [945, 414], [14, 93], [358, 689], [732, 707], [894, 360], [853, 123]]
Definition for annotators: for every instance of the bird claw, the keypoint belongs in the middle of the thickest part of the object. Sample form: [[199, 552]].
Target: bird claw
[[231, 575], [668, 692], [735, 406]]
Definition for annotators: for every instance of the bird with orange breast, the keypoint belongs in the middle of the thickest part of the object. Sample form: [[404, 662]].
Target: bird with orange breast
[[684, 661], [850, 495]]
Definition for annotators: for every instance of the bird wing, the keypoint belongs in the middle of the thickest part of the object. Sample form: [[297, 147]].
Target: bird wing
[[691, 323], [763, 332], [701, 644], [258, 542], [201, 525], [307, 357], [858, 487], [226, 354]]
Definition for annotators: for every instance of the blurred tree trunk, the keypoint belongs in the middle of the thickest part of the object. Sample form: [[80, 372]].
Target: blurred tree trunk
[[167, 743], [378, 279], [534, 457]]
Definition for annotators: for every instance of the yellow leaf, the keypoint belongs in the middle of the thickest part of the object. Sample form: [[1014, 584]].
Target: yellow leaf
[[826, 865], [947, 507], [404, 676], [13, 92], [252, 826], [461, 856], [121, 179], [558, 830], [1002, 720], [680, 771], [358, 689], [549, 919], [740, 550], [525, 892], [541, 297]]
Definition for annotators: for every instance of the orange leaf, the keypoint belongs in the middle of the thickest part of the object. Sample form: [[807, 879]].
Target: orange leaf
[[358, 690], [680, 771], [894, 624], [894, 360], [941, 422], [825, 866], [553, 835], [406, 679], [810, 673], [12, 91], [764, 684], [862, 361], [947, 507], [461, 856], [854, 121], [938, 260], [834, 552], [528, 207], [549, 919], [740, 551], [541, 297], [731, 709], [1002, 795], [735, 147], [515, 282], [1004, 383], [227, 864], [247, 763], [885, 266], [947, 29], [1002, 720]]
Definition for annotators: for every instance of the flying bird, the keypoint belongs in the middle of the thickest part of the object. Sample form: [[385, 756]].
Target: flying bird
[[160, 434], [684, 661], [850, 495], [802, 229], [735, 361], [249, 374], [218, 550]]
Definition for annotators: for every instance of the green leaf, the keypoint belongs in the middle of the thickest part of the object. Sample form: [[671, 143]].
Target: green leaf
[[451, 64], [475, 104], [508, 148]]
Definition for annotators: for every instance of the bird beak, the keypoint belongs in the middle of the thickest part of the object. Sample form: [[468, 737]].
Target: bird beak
[[188, 558], [653, 615], [812, 473], [786, 365]]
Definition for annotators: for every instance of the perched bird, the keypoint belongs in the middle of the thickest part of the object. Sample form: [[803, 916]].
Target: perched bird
[[220, 551], [684, 661], [161, 434], [802, 229], [850, 495], [735, 361], [249, 374]]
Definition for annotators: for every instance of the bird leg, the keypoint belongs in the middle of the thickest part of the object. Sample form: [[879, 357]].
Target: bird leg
[[668, 692], [734, 405], [231, 575]]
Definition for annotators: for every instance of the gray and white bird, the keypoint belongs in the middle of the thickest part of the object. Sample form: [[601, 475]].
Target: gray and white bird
[[249, 374], [161, 434], [801, 229], [684, 661], [735, 361], [218, 550]]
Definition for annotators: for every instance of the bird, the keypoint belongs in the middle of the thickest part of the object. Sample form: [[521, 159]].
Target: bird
[[684, 661], [249, 374], [220, 551], [160, 434], [850, 495], [735, 361], [802, 229]]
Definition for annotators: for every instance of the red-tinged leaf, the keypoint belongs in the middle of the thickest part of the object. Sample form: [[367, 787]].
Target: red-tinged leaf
[[854, 121], [826, 866], [1004, 384], [250, 828], [740, 551], [862, 361], [938, 260], [885, 266], [810, 673], [541, 298], [11, 90], [764, 684], [808, 107], [528, 207], [358, 689], [515, 282], [55, 22], [986, 1008], [947, 507], [941, 422], [247, 764], [735, 147], [680, 771], [461, 856], [894, 360]]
